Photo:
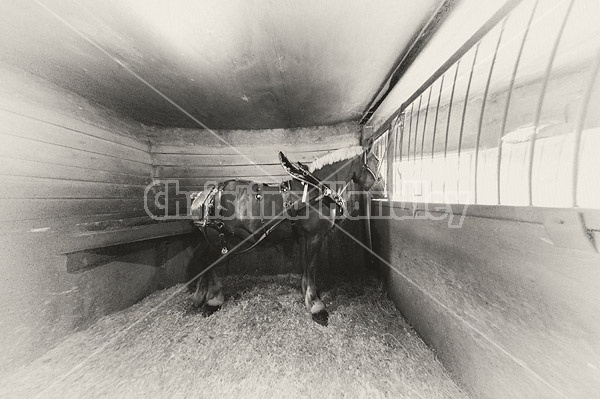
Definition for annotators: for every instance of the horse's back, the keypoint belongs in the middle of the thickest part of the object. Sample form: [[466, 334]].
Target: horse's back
[[244, 207]]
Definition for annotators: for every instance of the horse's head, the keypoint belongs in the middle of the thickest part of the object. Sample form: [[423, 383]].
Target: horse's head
[[370, 178]]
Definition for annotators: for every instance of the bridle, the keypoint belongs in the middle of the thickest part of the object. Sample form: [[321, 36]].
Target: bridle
[[375, 175]]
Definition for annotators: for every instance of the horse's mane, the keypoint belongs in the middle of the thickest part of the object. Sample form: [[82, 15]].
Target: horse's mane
[[338, 155]]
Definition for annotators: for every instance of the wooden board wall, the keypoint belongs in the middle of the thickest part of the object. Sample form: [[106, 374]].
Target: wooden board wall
[[72, 173], [72, 177], [60, 168], [509, 313], [191, 158]]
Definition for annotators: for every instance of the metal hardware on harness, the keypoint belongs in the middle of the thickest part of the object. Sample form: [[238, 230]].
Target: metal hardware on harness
[[258, 195], [302, 174], [284, 190], [223, 243], [259, 198]]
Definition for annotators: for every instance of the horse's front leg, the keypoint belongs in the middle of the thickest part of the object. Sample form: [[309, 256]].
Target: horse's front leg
[[309, 253], [208, 293], [214, 294]]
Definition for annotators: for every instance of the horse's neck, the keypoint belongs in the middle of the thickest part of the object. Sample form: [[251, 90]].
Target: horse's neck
[[341, 171]]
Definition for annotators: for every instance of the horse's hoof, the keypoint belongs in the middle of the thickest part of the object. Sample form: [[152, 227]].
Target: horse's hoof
[[321, 317], [208, 310], [197, 304]]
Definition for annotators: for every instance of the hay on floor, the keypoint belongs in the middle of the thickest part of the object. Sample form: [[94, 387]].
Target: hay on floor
[[262, 343]]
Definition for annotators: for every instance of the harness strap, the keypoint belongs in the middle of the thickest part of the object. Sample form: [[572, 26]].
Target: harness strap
[[302, 174], [270, 229]]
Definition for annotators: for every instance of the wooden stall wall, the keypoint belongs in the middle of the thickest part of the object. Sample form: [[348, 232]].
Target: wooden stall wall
[[193, 157], [72, 178], [510, 314]]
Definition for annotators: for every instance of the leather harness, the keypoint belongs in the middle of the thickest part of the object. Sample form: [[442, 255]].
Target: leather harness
[[206, 208]]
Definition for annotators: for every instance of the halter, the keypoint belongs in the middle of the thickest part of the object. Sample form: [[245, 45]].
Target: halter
[[376, 176]]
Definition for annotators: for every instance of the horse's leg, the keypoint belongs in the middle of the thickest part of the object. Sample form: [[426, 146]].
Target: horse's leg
[[312, 300], [208, 292], [196, 266], [204, 283], [303, 243], [199, 295], [214, 293]]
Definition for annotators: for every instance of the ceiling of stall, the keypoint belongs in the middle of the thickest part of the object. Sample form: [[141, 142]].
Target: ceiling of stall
[[230, 64]]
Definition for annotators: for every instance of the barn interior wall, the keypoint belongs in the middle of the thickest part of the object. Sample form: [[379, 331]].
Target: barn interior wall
[[73, 177], [509, 313], [185, 160]]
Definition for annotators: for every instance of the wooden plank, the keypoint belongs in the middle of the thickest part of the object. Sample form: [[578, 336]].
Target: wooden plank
[[21, 148], [266, 157], [268, 148], [306, 139], [202, 180], [52, 117], [62, 226], [23, 94], [33, 209], [81, 242], [87, 259], [218, 171], [21, 126], [81, 223], [63, 243], [33, 187], [29, 168]]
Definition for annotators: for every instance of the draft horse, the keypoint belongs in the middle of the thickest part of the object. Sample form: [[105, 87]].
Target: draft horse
[[237, 215]]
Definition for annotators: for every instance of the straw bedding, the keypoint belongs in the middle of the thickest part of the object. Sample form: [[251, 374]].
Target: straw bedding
[[262, 343]]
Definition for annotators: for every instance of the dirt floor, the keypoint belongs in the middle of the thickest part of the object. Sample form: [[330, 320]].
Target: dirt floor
[[262, 343]]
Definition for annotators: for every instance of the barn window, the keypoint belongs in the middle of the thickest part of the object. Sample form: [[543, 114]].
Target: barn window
[[508, 119]]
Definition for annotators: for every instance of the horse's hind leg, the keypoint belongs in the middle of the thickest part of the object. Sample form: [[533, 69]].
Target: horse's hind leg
[[199, 295], [309, 251]]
